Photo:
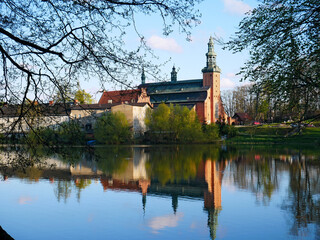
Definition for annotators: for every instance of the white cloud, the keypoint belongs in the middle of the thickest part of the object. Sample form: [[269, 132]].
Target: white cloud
[[167, 44], [226, 83], [158, 223], [236, 6]]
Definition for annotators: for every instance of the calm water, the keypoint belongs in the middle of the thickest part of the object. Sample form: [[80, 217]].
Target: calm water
[[161, 192]]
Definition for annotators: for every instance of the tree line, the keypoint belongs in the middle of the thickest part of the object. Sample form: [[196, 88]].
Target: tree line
[[283, 41], [165, 124], [268, 106]]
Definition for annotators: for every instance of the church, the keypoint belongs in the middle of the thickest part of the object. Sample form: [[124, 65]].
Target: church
[[202, 95]]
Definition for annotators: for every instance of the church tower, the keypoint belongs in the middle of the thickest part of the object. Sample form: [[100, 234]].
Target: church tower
[[211, 78]]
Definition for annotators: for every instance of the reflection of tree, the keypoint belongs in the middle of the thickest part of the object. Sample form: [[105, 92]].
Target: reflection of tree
[[71, 155], [81, 184], [257, 175], [112, 160], [174, 164], [32, 173], [63, 190], [302, 202]]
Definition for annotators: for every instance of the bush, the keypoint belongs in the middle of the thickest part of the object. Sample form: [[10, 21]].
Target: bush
[[112, 128], [67, 133], [173, 124], [227, 130], [211, 132]]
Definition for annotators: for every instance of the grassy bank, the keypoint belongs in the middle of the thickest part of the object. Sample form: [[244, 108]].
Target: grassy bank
[[276, 134]]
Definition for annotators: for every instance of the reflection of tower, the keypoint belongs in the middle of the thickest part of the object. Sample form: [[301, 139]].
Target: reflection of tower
[[140, 172], [212, 197], [144, 184], [139, 164], [175, 203]]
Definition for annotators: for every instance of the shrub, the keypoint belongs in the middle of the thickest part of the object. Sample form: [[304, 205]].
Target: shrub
[[173, 124], [227, 130], [211, 132], [67, 133], [112, 128]]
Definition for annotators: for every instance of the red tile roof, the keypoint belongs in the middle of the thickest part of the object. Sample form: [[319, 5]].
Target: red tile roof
[[120, 96]]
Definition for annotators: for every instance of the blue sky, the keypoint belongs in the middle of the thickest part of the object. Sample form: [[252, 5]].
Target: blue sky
[[219, 18]]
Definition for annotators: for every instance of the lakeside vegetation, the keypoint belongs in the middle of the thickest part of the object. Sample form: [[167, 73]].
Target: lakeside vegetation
[[271, 134], [169, 124]]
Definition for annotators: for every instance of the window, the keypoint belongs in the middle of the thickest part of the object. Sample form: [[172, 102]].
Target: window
[[110, 101], [79, 115]]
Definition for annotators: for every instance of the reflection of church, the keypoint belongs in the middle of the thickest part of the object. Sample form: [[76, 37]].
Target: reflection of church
[[206, 186]]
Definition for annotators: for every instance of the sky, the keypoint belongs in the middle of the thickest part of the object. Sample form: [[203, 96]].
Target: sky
[[220, 18]]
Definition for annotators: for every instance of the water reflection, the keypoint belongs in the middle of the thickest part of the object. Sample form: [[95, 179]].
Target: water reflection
[[185, 172]]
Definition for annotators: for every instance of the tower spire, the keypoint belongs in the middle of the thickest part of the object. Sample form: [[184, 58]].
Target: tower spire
[[143, 77], [211, 58]]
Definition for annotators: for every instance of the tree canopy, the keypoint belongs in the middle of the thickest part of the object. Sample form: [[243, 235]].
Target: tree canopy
[[283, 39], [173, 123], [113, 128], [46, 45]]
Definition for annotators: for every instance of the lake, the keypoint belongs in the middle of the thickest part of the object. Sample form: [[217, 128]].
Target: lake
[[161, 192]]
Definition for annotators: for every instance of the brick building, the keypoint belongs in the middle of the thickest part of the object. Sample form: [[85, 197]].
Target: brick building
[[202, 95]]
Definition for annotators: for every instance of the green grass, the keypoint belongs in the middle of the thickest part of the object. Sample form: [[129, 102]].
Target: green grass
[[276, 135]]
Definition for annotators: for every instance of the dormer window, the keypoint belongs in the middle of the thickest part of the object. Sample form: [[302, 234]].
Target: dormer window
[[110, 101]]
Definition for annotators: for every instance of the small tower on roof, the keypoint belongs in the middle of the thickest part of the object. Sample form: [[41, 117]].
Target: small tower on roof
[[143, 77], [173, 74]]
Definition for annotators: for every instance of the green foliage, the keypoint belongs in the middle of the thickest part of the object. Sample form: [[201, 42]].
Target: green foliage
[[228, 130], [283, 40], [112, 128], [173, 124], [211, 132], [83, 97], [263, 109], [71, 133], [66, 133], [279, 135]]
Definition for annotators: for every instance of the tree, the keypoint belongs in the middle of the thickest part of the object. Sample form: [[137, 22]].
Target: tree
[[113, 128], [174, 123], [283, 38], [83, 97], [48, 45]]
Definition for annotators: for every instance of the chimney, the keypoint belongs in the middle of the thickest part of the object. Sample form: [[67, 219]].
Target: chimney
[[50, 103]]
